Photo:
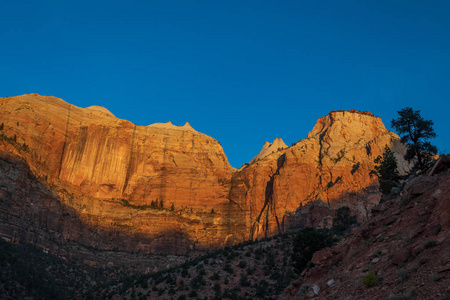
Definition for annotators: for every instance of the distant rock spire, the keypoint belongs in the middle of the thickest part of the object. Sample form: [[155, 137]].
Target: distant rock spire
[[269, 148]]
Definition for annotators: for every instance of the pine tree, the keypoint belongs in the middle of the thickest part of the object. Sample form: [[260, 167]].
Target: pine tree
[[415, 132], [306, 242], [343, 220], [386, 170]]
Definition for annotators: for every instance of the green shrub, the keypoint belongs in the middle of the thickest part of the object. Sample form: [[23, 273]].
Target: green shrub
[[343, 220], [243, 280], [197, 282], [369, 279], [308, 241], [261, 290], [193, 294], [242, 264], [228, 268], [184, 273], [215, 276]]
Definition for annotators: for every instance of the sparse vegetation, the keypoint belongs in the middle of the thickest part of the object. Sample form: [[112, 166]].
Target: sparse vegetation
[[228, 268], [34, 274], [154, 204], [339, 156], [343, 220], [308, 241], [13, 142], [370, 279]]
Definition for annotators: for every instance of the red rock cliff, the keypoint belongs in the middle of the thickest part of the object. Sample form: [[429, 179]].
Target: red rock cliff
[[330, 166], [110, 173]]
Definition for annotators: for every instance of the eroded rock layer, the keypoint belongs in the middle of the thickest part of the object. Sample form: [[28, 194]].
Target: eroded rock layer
[[332, 166], [163, 188]]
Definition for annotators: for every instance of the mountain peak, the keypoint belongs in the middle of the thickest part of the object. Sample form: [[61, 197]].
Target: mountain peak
[[350, 124], [170, 125], [269, 148], [100, 109]]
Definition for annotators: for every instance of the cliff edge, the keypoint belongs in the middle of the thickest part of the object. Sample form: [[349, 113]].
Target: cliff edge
[[170, 188]]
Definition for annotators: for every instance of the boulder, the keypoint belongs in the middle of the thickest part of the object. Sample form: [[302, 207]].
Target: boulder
[[419, 185], [442, 164], [400, 256], [417, 250], [321, 255]]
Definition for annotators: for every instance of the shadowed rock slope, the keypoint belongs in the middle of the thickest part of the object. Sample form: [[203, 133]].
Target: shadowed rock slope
[[171, 189], [402, 252]]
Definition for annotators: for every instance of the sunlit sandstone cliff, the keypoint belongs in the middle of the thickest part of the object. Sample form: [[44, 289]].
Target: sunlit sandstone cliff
[[108, 174], [330, 166], [269, 148]]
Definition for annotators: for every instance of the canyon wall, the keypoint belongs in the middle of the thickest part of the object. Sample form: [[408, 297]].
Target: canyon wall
[[164, 188], [330, 168]]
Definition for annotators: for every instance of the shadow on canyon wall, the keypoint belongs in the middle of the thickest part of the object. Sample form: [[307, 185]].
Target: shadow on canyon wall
[[31, 212], [269, 206]]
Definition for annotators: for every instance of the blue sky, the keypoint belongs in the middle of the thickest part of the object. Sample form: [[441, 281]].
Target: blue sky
[[243, 72]]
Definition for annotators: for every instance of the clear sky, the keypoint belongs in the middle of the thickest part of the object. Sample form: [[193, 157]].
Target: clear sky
[[243, 72]]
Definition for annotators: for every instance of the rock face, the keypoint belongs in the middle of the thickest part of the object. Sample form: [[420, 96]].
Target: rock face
[[110, 171], [269, 148], [170, 188], [330, 166], [405, 244]]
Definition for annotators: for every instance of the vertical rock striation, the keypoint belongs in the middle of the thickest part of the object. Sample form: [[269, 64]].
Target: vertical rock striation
[[171, 188], [331, 166]]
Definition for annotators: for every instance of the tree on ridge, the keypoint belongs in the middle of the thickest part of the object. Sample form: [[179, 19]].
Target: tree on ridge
[[415, 133], [386, 170]]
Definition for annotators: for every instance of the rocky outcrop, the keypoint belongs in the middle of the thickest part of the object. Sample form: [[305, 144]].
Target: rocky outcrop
[[404, 246], [92, 152], [111, 172], [31, 213], [332, 165], [269, 148], [169, 188]]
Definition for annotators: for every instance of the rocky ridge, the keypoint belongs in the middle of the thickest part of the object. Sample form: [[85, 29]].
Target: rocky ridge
[[404, 245], [331, 167], [402, 252], [269, 148], [170, 188]]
